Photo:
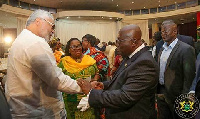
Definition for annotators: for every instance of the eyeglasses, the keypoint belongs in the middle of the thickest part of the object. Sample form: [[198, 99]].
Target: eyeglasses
[[75, 47], [52, 24], [84, 40], [123, 40]]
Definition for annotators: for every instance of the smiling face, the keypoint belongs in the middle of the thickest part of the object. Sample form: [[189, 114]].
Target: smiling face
[[75, 49], [129, 39]]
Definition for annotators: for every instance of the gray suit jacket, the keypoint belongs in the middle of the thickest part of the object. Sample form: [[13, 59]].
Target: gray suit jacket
[[179, 72], [131, 92]]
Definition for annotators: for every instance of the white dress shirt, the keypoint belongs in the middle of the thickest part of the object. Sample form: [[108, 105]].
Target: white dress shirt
[[34, 81], [164, 57]]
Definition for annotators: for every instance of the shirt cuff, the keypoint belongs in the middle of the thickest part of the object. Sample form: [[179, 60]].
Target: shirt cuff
[[191, 91]]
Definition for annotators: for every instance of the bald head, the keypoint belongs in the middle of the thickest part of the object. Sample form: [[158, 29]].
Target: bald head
[[129, 39], [132, 31]]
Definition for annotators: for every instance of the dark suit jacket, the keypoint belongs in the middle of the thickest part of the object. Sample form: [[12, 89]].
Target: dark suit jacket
[[197, 76], [179, 72], [183, 38], [131, 92], [186, 39]]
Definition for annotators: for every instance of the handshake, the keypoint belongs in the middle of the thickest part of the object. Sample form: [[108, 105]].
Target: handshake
[[86, 86]]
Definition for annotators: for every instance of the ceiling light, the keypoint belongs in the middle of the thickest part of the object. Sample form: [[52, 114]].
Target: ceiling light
[[175, 2], [144, 7], [67, 17], [159, 5], [182, 23], [130, 9], [102, 17], [132, 2], [117, 5], [112, 0], [110, 18], [34, 0]]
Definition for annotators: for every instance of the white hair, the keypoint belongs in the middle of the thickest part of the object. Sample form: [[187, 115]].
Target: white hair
[[38, 14]]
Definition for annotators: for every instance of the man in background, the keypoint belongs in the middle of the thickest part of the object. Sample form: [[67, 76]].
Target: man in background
[[177, 70]]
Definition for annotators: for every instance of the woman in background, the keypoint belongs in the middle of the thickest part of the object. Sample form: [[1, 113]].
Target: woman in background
[[88, 42], [77, 65], [55, 45]]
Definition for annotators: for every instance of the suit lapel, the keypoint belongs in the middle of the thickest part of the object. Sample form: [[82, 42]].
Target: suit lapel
[[127, 63], [160, 55], [171, 54]]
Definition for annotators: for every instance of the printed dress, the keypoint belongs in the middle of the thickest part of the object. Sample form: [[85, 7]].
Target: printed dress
[[86, 68]]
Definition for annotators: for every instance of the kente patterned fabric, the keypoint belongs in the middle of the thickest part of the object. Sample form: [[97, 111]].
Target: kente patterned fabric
[[101, 61]]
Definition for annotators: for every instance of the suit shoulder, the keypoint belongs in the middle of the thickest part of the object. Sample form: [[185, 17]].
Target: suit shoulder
[[146, 56], [183, 44], [184, 47]]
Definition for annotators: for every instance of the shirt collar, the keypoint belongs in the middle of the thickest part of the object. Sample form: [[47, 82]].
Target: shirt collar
[[137, 50], [171, 44]]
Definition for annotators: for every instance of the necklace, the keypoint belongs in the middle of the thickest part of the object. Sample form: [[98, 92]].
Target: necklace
[[78, 59]]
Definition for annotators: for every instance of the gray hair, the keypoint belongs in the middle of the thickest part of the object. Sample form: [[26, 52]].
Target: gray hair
[[38, 14], [171, 22]]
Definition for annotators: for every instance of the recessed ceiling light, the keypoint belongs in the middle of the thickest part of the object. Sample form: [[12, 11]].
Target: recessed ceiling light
[[34, 0], [102, 17], [182, 23], [67, 17], [117, 5], [112, 0], [144, 7], [110, 18], [132, 2]]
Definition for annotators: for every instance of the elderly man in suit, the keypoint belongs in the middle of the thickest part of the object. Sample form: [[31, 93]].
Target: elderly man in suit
[[177, 70], [130, 94]]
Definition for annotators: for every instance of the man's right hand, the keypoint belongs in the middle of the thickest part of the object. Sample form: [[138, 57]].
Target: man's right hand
[[97, 85]]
